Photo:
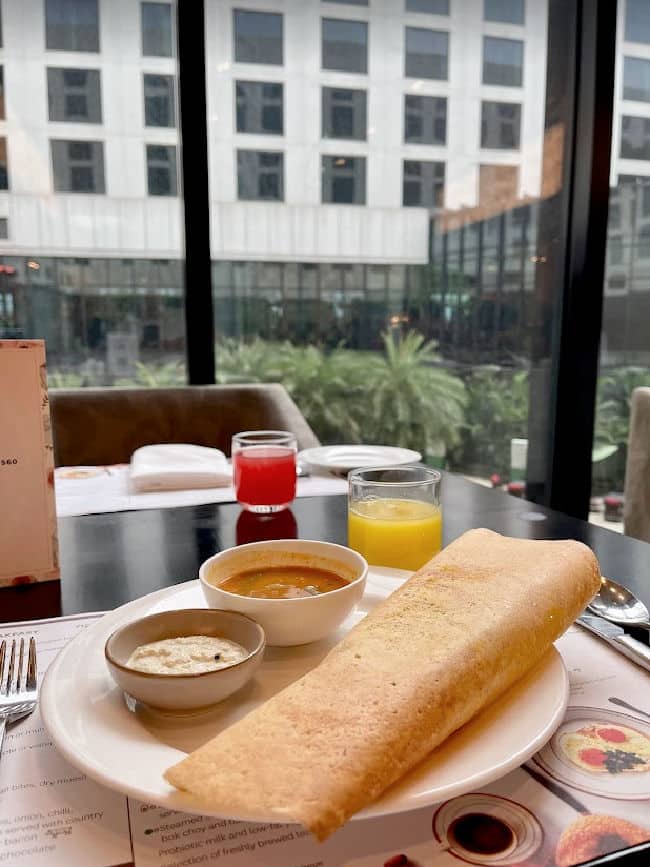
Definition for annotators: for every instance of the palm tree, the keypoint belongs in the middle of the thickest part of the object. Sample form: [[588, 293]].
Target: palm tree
[[413, 402]]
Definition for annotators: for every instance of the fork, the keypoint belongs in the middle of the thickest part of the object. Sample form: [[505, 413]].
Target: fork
[[18, 690]]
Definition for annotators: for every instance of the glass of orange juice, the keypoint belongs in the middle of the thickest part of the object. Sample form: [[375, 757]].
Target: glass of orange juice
[[394, 516]]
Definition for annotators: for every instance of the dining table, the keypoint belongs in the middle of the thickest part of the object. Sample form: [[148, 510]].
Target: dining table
[[110, 559]]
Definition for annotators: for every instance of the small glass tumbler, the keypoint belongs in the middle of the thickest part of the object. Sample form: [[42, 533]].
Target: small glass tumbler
[[264, 469], [394, 516]]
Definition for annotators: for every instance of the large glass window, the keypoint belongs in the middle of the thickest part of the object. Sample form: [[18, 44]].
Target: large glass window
[[259, 107], [343, 113], [72, 25], [4, 167], [344, 180], [431, 7], [423, 184], [503, 61], [78, 166], [74, 95], [258, 37], [425, 119], [344, 45], [426, 53], [260, 175], [500, 125], [157, 38], [636, 79], [2, 93], [637, 21], [161, 170], [635, 138], [159, 100], [507, 11], [105, 206]]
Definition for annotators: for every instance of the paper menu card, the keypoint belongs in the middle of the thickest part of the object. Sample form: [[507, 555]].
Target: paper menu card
[[28, 535], [52, 814]]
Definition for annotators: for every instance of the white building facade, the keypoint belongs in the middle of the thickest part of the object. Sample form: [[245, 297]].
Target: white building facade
[[124, 220]]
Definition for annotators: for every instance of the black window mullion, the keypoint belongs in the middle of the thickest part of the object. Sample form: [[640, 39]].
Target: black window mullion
[[199, 322], [562, 479]]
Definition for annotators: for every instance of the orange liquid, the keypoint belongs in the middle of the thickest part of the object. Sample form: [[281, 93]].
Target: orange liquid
[[402, 534]]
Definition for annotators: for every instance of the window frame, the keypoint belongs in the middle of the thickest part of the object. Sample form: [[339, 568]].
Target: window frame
[[49, 47], [346, 70], [79, 162]]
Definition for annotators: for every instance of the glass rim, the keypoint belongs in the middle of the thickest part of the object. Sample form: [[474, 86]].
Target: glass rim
[[263, 437], [435, 476]]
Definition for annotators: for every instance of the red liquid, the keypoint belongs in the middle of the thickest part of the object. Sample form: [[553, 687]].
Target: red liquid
[[265, 475]]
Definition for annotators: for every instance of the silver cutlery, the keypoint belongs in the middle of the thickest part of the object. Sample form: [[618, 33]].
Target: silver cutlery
[[625, 704], [618, 604], [18, 686], [617, 638]]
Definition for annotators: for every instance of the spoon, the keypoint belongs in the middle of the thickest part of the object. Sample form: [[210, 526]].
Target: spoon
[[618, 604]]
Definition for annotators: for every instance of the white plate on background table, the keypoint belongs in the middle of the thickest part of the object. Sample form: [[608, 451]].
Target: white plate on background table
[[128, 749], [342, 459]]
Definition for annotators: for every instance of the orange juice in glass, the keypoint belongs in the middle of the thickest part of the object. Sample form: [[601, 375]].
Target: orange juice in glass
[[394, 516]]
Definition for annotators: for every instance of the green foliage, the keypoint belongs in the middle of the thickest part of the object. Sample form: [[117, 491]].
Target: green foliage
[[65, 379], [614, 401], [496, 412], [398, 397], [612, 426], [413, 403], [171, 373]]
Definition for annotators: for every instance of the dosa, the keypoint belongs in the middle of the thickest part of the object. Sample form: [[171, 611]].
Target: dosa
[[448, 642]]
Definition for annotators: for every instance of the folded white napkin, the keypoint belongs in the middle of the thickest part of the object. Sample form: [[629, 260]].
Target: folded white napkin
[[178, 466]]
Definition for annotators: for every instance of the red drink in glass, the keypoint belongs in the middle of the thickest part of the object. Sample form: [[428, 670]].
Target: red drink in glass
[[264, 470]]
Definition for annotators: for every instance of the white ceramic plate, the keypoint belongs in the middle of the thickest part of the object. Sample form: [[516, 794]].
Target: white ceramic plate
[[626, 785], [341, 459], [128, 749]]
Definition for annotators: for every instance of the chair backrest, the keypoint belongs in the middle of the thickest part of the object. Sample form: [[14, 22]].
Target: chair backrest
[[636, 511], [94, 426]]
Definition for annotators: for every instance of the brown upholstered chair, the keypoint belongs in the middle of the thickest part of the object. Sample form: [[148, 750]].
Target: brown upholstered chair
[[94, 426]]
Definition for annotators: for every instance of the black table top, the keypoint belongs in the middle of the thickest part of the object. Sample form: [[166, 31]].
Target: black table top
[[112, 558]]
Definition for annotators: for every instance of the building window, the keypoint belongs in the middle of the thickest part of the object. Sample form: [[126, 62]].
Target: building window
[[507, 11], [500, 125], [424, 184], [258, 37], [4, 168], [157, 30], [636, 79], [432, 7], [426, 53], [260, 176], [425, 119], [635, 138], [503, 61], [159, 101], [345, 45], [344, 180], [74, 95], [161, 170], [4, 228], [71, 25], [78, 166], [497, 186], [637, 21], [344, 113], [2, 93], [259, 107]]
